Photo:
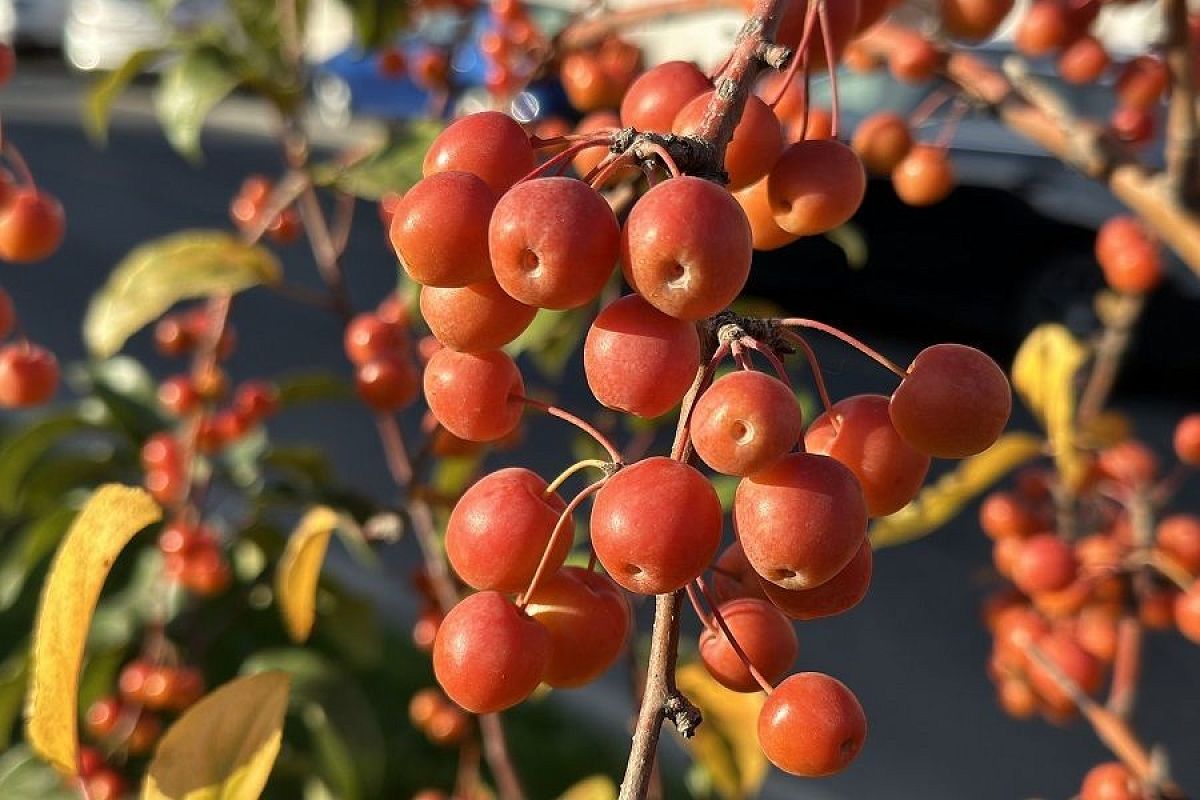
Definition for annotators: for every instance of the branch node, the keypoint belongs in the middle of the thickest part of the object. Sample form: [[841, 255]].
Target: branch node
[[775, 56], [683, 714]]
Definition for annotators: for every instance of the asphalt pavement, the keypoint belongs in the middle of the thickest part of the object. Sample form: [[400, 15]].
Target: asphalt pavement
[[914, 651]]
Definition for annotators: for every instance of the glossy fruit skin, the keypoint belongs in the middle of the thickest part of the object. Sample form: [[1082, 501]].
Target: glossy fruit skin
[[815, 186], [587, 160], [811, 725], [757, 139], [800, 520], [657, 95], [1045, 563], [387, 384], [954, 403], [763, 633], [1179, 537], [656, 525], [1142, 82], [367, 337], [440, 230], [1187, 440], [1110, 781], [1078, 664], [1083, 61], [588, 619], [890, 470], [489, 656], [732, 575], [765, 232], [32, 226], [28, 375], [499, 529], [554, 242], [924, 177], [639, 360], [472, 394], [1187, 612], [686, 270], [489, 144], [476, 317], [914, 59], [1128, 256], [843, 22], [1003, 515], [882, 140], [835, 596], [1045, 28], [973, 20], [744, 422]]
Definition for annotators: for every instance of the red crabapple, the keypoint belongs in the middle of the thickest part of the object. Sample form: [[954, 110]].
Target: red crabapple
[[765, 636], [811, 725], [835, 596], [1187, 440], [923, 177], [474, 395], [1045, 563], [815, 186], [655, 98], [882, 140], [744, 422], [757, 139], [479, 316], [440, 229], [32, 225], [488, 144], [28, 375], [588, 619]]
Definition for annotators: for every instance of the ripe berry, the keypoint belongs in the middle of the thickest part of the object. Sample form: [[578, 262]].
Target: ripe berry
[[423, 705], [178, 395], [1142, 82], [639, 360], [488, 144], [31, 226], [890, 470], [764, 230], [815, 186], [655, 99], [387, 384], [1062, 650], [368, 337], [391, 63], [1129, 462], [882, 140], [500, 527], [765, 636], [745, 422], [656, 525], [430, 70], [811, 725], [28, 375], [488, 655], [685, 269], [424, 630], [733, 576], [1187, 612], [1002, 515], [1045, 563], [1128, 256], [835, 596], [474, 395], [144, 734], [588, 619], [587, 160], [757, 139], [256, 400], [1132, 125], [105, 784], [913, 59], [440, 230], [1110, 781], [449, 726], [954, 402], [800, 520], [1187, 440], [1178, 536], [923, 177], [973, 20], [479, 316], [553, 242], [1083, 61], [1046, 27], [102, 717], [132, 681]]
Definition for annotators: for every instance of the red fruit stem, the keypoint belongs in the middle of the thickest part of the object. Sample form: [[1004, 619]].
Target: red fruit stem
[[679, 449], [554, 141], [698, 607], [929, 106], [857, 344], [18, 161], [950, 125], [554, 411], [830, 63], [560, 159], [814, 366], [603, 172], [739, 356], [394, 450], [667, 159], [800, 60], [559, 528], [766, 352], [733, 642]]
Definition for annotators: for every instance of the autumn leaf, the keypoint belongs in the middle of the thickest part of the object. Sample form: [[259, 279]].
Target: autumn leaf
[[596, 787], [224, 746], [300, 568], [101, 530], [939, 502], [726, 743], [1044, 373]]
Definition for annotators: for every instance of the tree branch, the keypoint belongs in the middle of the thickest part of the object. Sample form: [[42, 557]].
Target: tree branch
[[1183, 132]]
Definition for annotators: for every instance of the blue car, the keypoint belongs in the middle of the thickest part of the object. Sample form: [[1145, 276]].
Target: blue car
[[350, 84]]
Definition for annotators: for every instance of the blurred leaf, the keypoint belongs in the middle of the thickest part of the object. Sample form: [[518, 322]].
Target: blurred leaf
[[312, 387], [453, 474], [939, 502], [726, 743], [376, 22], [304, 461], [351, 626], [551, 339], [24, 777], [20, 452], [1044, 373], [13, 674], [393, 167], [105, 525], [104, 92], [726, 486], [300, 568], [597, 787], [52, 479], [333, 753], [1106, 429], [100, 670], [159, 273], [34, 543], [190, 87], [225, 745], [850, 240], [243, 458], [128, 392]]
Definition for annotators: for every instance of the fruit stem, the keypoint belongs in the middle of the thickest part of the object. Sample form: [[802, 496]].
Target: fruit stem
[[679, 448], [552, 487], [1183, 126], [739, 355], [870, 352], [769, 354], [586, 427], [928, 107], [559, 159], [799, 60], [733, 642], [1127, 663], [667, 159], [830, 64], [555, 535], [704, 617], [814, 366], [603, 172], [18, 161]]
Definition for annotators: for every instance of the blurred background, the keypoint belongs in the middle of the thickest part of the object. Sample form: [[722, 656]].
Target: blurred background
[[1011, 247]]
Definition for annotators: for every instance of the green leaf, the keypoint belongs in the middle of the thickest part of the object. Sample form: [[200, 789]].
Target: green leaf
[[551, 339], [22, 451], [128, 392], [13, 674], [24, 777], [189, 89], [940, 501], [157, 274], [104, 92], [850, 240], [393, 167], [312, 387], [36, 542], [376, 22]]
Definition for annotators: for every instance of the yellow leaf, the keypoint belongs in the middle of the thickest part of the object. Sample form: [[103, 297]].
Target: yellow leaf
[[160, 273], [101, 530], [597, 787], [300, 568], [726, 743], [223, 747], [1044, 372], [940, 501]]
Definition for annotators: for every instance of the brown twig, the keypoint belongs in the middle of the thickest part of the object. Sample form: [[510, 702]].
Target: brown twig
[[1182, 150], [1119, 324]]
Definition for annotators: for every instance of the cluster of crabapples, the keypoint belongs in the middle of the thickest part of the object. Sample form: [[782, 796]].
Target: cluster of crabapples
[[489, 246], [130, 722], [1070, 597], [249, 206], [28, 372]]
